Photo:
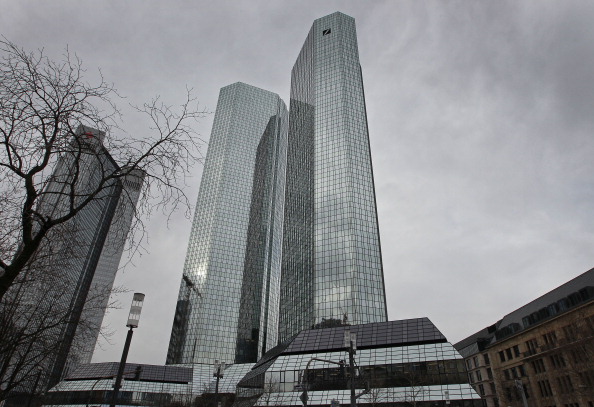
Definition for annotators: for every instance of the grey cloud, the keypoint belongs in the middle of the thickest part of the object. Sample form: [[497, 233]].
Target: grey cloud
[[480, 123]]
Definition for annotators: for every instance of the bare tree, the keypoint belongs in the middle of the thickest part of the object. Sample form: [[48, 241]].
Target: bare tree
[[415, 390], [42, 102], [270, 390], [52, 128], [576, 353], [30, 323], [377, 396]]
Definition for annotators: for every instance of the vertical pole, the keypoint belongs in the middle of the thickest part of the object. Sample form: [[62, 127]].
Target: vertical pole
[[118, 382], [520, 388], [218, 375], [352, 373], [217, 386]]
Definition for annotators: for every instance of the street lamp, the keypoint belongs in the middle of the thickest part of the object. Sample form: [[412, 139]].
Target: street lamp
[[97, 382], [133, 318]]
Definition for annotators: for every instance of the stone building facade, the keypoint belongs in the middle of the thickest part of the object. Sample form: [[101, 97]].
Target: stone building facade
[[541, 354]]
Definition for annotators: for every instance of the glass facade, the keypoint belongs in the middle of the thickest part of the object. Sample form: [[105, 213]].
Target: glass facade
[[106, 269], [257, 328], [228, 300], [407, 362], [142, 385], [331, 266], [147, 385]]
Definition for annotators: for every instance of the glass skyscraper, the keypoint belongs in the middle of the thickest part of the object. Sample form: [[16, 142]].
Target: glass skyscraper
[[227, 307], [331, 267], [106, 269], [54, 289]]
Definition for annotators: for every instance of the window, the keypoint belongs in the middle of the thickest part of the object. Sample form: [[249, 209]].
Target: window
[[538, 366], [569, 332], [489, 373], [565, 384], [486, 358], [550, 338], [558, 361], [514, 372], [479, 376], [502, 356], [475, 360], [508, 353], [516, 351], [531, 345], [545, 388], [481, 390]]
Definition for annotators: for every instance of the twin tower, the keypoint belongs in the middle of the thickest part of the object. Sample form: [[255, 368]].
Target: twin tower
[[285, 233]]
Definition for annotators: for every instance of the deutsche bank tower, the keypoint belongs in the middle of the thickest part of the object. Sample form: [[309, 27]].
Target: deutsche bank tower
[[332, 267], [285, 235], [227, 306]]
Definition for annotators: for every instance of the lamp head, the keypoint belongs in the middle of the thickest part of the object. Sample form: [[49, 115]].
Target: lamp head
[[135, 310]]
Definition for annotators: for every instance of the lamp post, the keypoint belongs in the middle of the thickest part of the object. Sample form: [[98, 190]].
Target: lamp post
[[133, 318], [219, 368], [97, 382]]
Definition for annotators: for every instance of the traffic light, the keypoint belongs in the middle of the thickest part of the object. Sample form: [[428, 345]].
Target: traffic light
[[342, 366], [137, 372]]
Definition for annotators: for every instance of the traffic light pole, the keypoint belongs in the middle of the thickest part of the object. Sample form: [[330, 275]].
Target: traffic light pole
[[218, 373], [352, 374], [351, 347]]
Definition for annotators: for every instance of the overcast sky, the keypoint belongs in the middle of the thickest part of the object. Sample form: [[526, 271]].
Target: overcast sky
[[481, 119]]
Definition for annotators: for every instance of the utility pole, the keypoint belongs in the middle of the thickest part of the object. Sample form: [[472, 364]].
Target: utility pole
[[350, 342]]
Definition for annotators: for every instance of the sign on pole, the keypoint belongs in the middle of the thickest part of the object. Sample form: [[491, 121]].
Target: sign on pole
[[304, 397]]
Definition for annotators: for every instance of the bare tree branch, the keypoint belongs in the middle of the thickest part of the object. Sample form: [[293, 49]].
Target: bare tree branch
[[42, 102], [63, 153]]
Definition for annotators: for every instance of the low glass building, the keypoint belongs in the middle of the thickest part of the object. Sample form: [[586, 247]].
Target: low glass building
[[143, 385], [147, 385], [397, 363]]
